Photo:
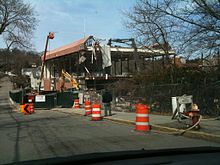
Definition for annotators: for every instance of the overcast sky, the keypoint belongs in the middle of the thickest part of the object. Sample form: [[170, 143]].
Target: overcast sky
[[70, 19]]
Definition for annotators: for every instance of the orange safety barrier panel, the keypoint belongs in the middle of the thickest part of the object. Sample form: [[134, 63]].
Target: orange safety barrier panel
[[88, 108], [31, 103], [22, 108], [96, 112], [27, 109], [31, 107], [76, 103], [142, 118]]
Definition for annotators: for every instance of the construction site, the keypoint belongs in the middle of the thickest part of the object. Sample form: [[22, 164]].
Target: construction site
[[78, 74], [89, 64], [109, 82]]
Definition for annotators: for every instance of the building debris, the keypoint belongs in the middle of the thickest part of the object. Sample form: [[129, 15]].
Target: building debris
[[90, 62]]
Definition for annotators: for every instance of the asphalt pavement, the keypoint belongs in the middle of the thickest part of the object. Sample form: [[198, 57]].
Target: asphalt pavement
[[50, 133], [209, 128]]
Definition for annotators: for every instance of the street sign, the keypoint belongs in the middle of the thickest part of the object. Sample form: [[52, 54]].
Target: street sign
[[40, 98], [185, 99]]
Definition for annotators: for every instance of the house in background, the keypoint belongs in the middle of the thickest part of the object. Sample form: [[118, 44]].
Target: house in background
[[34, 74]]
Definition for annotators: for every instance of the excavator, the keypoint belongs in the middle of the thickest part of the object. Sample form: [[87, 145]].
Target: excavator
[[65, 74]]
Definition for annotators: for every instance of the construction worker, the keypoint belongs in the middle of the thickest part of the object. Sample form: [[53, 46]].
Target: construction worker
[[106, 100]]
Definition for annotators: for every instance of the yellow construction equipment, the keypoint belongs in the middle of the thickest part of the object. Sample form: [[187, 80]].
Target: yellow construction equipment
[[65, 74]]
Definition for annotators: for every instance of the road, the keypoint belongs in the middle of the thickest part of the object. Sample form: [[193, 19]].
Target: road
[[48, 133]]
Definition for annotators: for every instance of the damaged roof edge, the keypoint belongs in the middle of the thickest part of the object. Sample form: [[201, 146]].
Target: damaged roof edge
[[67, 49], [81, 45]]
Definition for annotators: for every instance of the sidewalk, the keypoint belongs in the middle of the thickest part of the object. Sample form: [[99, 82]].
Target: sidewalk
[[210, 128]]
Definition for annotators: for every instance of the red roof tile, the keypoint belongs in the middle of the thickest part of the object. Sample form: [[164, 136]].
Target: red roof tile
[[67, 49]]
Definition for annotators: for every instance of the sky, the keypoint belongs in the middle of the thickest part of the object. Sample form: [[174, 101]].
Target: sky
[[71, 20]]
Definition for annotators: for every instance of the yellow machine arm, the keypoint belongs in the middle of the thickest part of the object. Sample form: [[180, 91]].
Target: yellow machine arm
[[71, 78]]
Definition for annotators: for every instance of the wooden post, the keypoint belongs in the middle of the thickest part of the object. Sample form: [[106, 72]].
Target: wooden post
[[174, 59], [121, 64], [136, 57], [143, 60], [153, 63], [70, 63], [128, 65], [163, 61], [115, 67]]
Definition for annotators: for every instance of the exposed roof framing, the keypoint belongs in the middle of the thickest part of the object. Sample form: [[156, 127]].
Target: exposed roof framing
[[81, 45]]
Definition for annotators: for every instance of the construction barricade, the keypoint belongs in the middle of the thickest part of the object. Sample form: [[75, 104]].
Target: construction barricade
[[142, 118], [96, 112], [46, 101], [65, 99], [27, 104], [16, 95], [76, 103], [31, 99], [28, 109], [22, 108], [88, 108], [31, 107]]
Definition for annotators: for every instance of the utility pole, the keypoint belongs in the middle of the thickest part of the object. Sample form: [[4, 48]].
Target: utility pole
[[49, 36]]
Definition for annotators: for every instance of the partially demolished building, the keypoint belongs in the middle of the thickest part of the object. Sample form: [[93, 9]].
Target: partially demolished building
[[94, 65]]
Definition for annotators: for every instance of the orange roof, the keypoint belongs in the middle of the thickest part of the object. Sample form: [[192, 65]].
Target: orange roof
[[67, 49]]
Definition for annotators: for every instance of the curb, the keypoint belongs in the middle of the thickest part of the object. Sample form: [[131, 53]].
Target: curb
[[120, 120], [203, 135], [173, 131], [191, 134]]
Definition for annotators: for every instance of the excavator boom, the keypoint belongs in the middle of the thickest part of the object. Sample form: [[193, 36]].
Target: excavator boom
[[73, 81]]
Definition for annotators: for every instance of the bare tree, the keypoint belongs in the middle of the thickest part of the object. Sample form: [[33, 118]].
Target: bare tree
[[17, 23], [18, 59], [190, 27], [150, 26]]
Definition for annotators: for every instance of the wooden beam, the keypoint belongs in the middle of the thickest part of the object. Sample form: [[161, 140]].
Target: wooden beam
[[128, 65], [121, 65], [115, 67]]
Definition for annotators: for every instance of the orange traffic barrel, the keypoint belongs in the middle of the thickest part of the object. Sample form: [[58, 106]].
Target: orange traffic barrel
[[88, 108], [76, 103], [96, 112], [142, 118], [31, 107]]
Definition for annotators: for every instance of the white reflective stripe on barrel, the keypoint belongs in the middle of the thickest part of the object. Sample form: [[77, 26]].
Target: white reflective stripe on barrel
[[142, 115], [142, 123], [88, 110], [87, 106], [95, 109], [96, 115]]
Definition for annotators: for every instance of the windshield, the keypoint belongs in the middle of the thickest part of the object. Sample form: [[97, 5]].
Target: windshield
[[84, 77]]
